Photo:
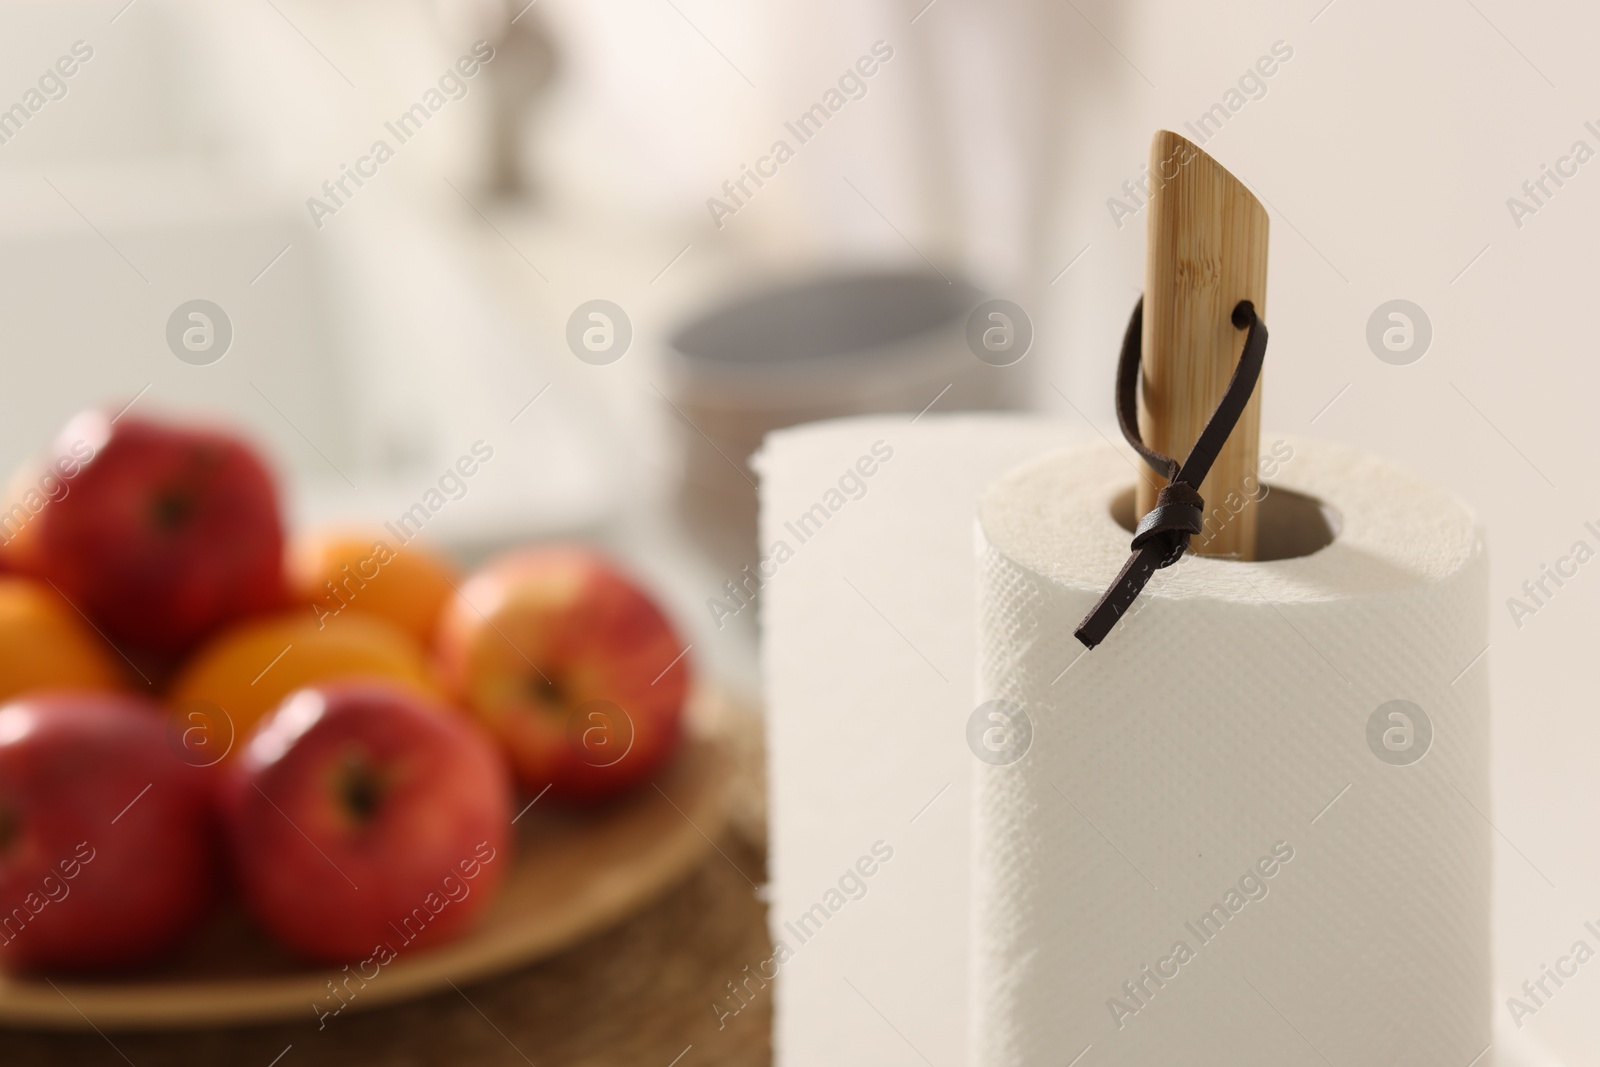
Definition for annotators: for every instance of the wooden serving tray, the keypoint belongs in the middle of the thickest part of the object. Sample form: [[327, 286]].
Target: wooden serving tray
[[575, 874]]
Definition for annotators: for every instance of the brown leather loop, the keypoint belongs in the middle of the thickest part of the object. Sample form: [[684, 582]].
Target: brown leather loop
[[1179, 514], [1162, 536]]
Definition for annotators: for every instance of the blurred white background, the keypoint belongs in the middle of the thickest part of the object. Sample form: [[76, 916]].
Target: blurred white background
[[430, 310]]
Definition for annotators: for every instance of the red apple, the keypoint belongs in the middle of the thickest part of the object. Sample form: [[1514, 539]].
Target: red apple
[[364, 822], [164, 532], [107, 842], [571, 665]]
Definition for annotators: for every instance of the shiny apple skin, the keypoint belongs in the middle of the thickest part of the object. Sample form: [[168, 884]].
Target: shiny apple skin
[[166, 531], [572, 666], [107, 826], [356, 804]]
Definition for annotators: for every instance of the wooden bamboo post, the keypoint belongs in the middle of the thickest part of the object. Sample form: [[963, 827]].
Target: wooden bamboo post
[[1205, 250]]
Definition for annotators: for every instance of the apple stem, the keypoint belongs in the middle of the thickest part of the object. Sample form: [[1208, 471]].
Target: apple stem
[[362, 789]]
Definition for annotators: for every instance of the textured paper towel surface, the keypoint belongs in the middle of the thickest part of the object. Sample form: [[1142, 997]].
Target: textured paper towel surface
[[869, 671], [1226, 717]]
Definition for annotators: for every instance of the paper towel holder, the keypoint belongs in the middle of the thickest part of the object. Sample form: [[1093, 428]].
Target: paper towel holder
[[1205, 251], [1186, 393]]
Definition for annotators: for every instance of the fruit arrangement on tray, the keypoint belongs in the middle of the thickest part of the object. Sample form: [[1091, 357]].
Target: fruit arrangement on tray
[[336, 730]]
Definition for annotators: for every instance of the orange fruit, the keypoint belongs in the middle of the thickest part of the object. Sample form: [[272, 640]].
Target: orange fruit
[[249, 668], [342, 572], [46, 644]]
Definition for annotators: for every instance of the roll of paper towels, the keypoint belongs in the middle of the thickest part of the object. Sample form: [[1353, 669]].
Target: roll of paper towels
[[867, 655], [1250, 827]]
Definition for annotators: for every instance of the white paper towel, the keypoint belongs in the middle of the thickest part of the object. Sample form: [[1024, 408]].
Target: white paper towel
[[867, 657], [1219, 736]]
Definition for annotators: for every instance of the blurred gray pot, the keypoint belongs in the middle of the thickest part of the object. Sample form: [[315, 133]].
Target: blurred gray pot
[[839, 344]]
